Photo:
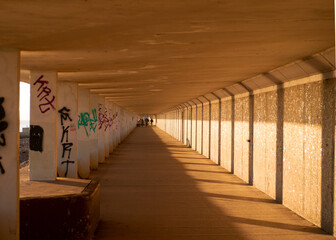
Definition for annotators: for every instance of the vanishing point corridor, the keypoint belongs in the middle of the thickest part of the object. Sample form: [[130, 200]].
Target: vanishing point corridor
[[154, 187]]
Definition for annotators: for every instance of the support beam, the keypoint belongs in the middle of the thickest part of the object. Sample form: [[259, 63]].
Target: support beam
[[9, 144], [43, 116], [67, 129], [83, 133]]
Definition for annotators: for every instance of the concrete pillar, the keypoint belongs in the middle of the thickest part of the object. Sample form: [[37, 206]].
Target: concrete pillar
[[43, 116], [110, 130], [93, 131], [107, 127], [118, 124], [100, 129], [9, 144], [83, 132], [67, 129], [115, 126]]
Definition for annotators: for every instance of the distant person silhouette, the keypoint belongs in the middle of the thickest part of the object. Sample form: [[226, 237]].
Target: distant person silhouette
[[146, 120], [151, 121]]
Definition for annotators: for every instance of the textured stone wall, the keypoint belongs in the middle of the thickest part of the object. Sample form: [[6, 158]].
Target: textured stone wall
[[194, 128], [226, 134], [184, 126], [302, 150], [281, 140], [206, 129], [241, 138], [264, 142], [214, 131], [189, 126], [199, 129]]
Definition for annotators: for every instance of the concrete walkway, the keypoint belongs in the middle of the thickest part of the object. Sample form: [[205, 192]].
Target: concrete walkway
[[153, 187]]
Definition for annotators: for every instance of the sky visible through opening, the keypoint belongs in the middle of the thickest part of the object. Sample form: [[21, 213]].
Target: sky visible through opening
[[24, 105]]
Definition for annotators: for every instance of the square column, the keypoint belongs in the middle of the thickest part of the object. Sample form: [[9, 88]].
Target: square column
[[114, 125], [67, 129], [100, 129], [9, 144], [111, 126], [107, 127], [43, 116], [119, 126], [83, 133], [93, 131]]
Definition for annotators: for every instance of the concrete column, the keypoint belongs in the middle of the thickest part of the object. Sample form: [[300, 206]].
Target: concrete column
[[100, 129], [67, 129], [113, 126], [43, 116], [118, 125], [110, 130], [9, 144], [107, 128], [93, 131], [83, 132]]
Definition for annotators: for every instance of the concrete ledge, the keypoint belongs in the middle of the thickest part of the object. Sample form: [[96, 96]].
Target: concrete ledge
[[73, 216]]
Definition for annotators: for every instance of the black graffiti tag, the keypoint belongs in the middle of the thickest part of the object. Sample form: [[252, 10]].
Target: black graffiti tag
[[67, 146], [3, 127], [64, 114], [44, 92], [2, 170]]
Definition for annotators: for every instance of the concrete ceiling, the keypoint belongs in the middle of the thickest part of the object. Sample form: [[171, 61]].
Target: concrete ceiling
[[150, 55]]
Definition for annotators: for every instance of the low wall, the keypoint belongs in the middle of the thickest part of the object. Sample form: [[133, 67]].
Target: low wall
[[61, 217]]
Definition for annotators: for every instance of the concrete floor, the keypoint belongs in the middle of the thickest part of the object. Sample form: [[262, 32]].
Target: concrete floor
[[153, 187]]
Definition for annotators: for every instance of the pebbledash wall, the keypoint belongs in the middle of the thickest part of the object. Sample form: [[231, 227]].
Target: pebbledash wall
[[274, 133]]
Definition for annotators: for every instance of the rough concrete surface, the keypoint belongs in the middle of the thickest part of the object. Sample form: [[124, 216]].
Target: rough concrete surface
[[154, 187]]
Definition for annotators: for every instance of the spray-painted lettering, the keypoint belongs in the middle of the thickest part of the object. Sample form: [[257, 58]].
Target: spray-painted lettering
[[93, 120], [44, 95], [83, 120], [67, 146], [103, 120], [3, 127]]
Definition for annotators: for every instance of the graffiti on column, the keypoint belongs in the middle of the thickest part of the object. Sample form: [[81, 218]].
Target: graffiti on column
[[67, 146], [93, 120], [36, 138], [46, 102], [103, 120], [83, 120], [3, 127]]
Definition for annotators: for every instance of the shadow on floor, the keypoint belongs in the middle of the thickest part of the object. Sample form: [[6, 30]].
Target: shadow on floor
[[153, 187]]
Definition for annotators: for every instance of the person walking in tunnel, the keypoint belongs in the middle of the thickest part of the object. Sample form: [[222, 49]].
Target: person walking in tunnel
[[146, 120], [151, 121]]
